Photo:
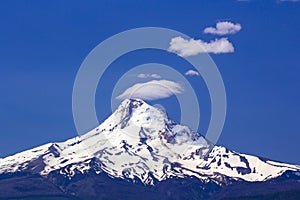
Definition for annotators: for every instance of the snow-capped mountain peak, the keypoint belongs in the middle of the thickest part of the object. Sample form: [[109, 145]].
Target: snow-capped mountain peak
[[139, 142]]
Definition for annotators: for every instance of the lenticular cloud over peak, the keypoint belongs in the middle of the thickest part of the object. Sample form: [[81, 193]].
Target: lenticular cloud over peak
[[152, 90]]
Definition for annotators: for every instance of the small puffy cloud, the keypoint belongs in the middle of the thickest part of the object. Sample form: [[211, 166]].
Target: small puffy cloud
[[223, 28], [148, 76], [152, 90], [191, 47], [192, 73]]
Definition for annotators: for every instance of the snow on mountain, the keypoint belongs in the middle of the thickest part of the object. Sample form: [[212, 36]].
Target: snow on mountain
[[139, 141]]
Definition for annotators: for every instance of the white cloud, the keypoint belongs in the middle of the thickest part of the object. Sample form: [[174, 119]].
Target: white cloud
[[192, 73], [289, 0], [148, 76], [152, 90], [192, 47], [223, 28]]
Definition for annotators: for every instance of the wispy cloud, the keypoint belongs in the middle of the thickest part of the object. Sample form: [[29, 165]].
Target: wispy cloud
[[191, 47], [192, 73], [152, 90], [289, 0], [224, 28], [148, 76]]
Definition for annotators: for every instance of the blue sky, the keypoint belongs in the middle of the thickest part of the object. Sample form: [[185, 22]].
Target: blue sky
[[43, 45]]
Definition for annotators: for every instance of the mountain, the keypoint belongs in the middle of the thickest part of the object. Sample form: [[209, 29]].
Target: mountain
[[138, 152]]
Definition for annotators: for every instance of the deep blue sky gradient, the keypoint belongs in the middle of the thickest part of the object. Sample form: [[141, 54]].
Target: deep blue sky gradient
[[42, 45]]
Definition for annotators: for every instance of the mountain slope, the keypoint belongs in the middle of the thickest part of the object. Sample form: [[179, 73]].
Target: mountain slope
[[138, 143]]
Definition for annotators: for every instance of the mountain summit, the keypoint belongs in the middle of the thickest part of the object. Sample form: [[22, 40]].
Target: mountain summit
[[138, 144]]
